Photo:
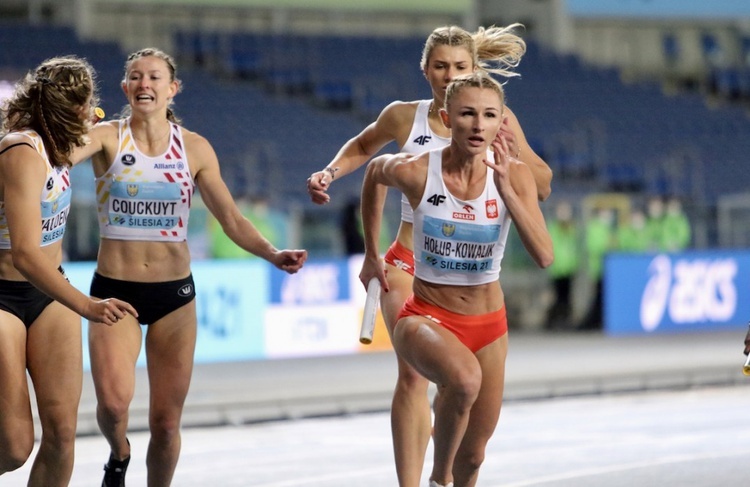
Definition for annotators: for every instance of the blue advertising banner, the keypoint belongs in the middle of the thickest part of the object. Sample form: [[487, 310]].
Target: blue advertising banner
[[230, 298], [320, 281], [311, 312], [689, 291]]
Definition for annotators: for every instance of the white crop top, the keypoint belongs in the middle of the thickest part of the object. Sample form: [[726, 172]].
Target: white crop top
[[142, 197], [458, 242], [55, 200], [421, 139]]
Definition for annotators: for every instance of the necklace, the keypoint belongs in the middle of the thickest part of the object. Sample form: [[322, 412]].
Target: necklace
[[158, 139], [432, 109]]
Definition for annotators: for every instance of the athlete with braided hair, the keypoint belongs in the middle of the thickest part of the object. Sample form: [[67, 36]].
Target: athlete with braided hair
[[40, 327]]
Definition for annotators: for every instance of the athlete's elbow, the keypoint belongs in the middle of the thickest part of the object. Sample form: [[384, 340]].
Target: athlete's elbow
[[24, 260], [544, 189], [545, 259]]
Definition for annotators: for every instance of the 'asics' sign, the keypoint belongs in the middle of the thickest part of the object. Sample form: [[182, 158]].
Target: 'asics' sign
[[689, 290], [676, 292]]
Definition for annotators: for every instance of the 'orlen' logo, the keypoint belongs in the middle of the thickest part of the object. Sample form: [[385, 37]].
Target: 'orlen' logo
[[491, 208], [464, 216], [695, 290], [132, 189]]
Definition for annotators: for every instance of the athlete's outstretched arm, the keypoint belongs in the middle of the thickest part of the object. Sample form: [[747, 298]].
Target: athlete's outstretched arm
[[220, 203], [359, 149]]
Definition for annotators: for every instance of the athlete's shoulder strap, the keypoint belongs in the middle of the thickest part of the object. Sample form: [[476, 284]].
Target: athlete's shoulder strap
[[15, 145]]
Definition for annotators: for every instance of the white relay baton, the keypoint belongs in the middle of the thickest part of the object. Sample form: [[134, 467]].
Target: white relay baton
[[371, 309]]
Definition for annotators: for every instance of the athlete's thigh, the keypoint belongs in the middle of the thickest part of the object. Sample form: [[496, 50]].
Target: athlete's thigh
[[434, 351], [114, 352], [170, 349], [54, 357], [400, 284], [15, 409], [486, 409]]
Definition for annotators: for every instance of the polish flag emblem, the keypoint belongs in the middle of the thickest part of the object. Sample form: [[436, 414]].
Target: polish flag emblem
[[491, 206]]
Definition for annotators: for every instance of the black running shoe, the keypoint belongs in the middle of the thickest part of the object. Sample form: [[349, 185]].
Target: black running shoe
[[114, 472]]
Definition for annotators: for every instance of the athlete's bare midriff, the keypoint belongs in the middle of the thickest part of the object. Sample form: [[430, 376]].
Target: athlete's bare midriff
[[8, 271], [143, 261], [465, 300]]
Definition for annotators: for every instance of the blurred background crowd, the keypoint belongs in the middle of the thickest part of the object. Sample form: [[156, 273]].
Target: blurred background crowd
[[639, 107]]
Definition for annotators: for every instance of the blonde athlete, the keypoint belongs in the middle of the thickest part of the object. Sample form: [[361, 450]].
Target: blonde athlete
[[416, 127], [40, 326], [453, 329], [147, 167]]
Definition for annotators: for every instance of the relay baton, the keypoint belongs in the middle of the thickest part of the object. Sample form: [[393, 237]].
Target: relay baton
[[371, 309]]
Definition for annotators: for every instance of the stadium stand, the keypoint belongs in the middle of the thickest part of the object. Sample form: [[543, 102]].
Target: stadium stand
[[278, 106]]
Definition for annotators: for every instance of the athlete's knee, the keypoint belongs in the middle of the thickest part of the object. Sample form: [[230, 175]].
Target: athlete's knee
[[467, 463], [60, 433], [465, 384], [164, 427], [114, 408], [14, 453], [410, 379]]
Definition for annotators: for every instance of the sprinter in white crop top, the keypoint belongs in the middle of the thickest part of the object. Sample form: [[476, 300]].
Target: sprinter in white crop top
[[459, 242], [448, 51], [146, 167], [453, 329], [55, 201], [142, 197], [421, 139], [47, 115]]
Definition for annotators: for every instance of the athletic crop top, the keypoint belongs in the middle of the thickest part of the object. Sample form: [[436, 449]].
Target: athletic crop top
[[142, 197], [55, 200], [458, 242], [421, 139]]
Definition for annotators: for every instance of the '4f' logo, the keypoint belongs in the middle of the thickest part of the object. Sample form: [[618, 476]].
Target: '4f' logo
[[436, 199], [422, 139]]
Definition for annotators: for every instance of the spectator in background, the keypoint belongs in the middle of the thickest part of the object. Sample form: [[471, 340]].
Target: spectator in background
[[351, 228], [600, 239], [633, 236], [655, 223], [676, 225], [564, 234]]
